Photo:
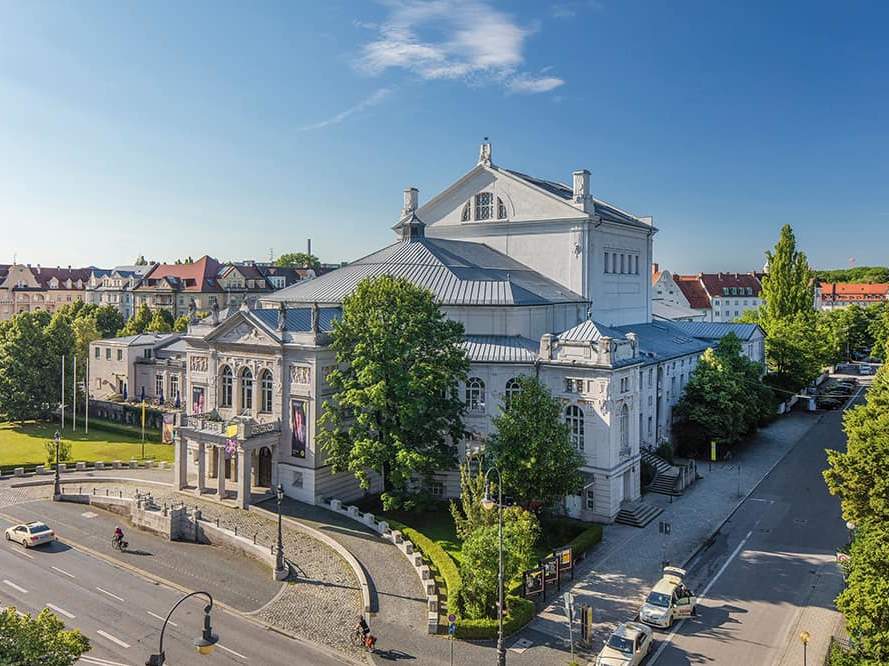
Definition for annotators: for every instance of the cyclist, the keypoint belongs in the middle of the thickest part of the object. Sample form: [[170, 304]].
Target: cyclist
[[118, 536]]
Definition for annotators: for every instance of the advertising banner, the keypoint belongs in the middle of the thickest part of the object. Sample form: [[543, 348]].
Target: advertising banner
[[299, 429], [167, 431], [197, 400]]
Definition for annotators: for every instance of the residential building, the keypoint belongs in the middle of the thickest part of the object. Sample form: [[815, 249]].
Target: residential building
[[149, 366], [721, 297], [668, 302], [26, 288], [115, 287], [842, 294]]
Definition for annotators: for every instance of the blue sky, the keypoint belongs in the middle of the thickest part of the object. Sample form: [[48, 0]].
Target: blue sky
[[171, 129]]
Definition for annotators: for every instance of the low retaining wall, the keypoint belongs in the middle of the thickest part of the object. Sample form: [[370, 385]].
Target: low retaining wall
[[208, 532], [87, 480], [82, 466], [406, 548]]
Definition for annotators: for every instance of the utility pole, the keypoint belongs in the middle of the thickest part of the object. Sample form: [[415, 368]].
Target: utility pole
[[63, 392], [74, 396], [86, 396]]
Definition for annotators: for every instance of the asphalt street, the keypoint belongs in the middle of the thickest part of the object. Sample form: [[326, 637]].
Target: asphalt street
[[771, 573], [122, 612]]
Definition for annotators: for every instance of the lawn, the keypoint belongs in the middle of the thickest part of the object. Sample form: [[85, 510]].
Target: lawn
[[24, 445]]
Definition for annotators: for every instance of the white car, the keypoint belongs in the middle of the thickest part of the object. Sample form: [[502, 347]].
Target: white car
[[628, 645], [30, 534], [669, 600]]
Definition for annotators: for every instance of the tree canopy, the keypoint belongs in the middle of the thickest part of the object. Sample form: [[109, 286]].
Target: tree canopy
[[139, 322], [394, 408], [298, 260], [161, 322], [788, 289], [865, 274], [532, 448], [40, 640]]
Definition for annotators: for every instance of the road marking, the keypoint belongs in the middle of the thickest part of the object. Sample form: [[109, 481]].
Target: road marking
[[21, 552], [237, 654], [158, 617], [87, 659], [14, 586], [112, 639], [669, 638], [60, 611], [114, 596], [62, 571], [89, 514], [852, 398]]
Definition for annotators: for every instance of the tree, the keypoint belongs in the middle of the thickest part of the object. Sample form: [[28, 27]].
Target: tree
[[138, 322], [878, 330], [161, 322], [140, 261], [394, 408], [866, 274], [795, 353], [865, 600], [109, 321], [181, 324], [480, 561], [39, 641], [788, 287], [26, 391], [531, 446], [298, 260], [85, 331], [858, 474]]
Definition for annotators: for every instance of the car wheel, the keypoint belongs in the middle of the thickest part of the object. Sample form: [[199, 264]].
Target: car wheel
[[8, 538], [25, 543]]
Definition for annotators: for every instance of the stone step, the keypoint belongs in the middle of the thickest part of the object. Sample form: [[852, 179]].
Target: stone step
[[638, 514], [664, 484]]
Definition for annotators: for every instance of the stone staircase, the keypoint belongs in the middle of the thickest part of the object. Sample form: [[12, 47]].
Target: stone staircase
[[665, 479], [637, 514]]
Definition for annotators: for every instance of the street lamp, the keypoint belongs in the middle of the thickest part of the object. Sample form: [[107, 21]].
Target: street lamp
[[488, 504], [57, 484], [204, 644], [804, 639], [280, 569]]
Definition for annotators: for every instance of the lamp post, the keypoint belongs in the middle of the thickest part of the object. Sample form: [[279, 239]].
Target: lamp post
[[280, 568], [488, 503], [204, 644], [57, 485], [804, 639]]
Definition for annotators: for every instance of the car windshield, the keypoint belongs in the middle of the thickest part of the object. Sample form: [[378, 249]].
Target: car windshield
[[658, 599], [36, 528], [620, 644]]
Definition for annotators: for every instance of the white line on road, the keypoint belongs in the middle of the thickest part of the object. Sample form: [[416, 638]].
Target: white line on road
[[852, 398], [14, 586], [237, 654], [112, 639], [158, 617], [700, 598], [62, 571], [114, 596], [21, 552], [61, 611], [99, 662]]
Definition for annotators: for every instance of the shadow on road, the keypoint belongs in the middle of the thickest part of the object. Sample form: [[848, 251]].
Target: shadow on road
[[54, 547], [393, 655]]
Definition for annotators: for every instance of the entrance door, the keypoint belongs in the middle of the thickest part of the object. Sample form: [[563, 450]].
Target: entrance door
[[628, 485], [264, 476]]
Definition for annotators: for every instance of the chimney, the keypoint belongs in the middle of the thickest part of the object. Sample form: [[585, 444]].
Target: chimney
[[309, 246], [655, 267], [411, 199], [582, 197]]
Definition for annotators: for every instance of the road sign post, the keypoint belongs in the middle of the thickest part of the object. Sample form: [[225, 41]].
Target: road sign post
[[452, 632], [569, 611]]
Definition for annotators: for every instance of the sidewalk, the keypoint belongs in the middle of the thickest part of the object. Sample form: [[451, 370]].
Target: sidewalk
[[616, 577]]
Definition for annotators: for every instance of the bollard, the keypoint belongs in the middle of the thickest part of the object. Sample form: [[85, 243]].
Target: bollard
[[106, 492], [217, 521], [254, 538], [80, 490], [236, 530], [120, 492]]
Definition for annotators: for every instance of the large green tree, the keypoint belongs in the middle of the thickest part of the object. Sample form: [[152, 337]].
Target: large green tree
[[109, 321], [27, 389], [532, 448], [161, 322], [138, 322], [40, 640], [298, 260], [788, 289], [395, 408]]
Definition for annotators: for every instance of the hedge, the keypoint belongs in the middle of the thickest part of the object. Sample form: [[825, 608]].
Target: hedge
[[521, 612], [586, 540], [152, 435], [435, 555]]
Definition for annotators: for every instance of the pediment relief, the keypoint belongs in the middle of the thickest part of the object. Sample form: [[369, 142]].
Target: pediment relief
[[245, 333]]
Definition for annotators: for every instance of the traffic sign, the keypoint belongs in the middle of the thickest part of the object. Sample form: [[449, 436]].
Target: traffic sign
[[452, 618], [452, 629]]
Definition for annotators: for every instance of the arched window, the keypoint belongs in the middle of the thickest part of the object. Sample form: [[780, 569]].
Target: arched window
[[513, 388], [574, 419], [501, 209], [246, 389], [465, 216], [475, 395], [484, 206], [265, 385], [624, 427], [225, 387]]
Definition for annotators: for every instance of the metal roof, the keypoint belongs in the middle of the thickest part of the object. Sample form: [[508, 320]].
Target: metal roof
[[704, 330], [589, 331], [660, 340], [500, 349], [298, 320], [141, 339], [456, 272]]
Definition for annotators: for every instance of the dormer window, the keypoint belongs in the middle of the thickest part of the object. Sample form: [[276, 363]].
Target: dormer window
[[484, 206]]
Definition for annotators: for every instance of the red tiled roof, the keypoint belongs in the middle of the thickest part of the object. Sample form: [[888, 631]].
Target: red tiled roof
[[693, 290], [198, 276], [717, 283], [45, 274], [853, 291]]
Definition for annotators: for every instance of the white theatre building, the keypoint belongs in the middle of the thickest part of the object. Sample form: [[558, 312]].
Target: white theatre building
[[546, 279]]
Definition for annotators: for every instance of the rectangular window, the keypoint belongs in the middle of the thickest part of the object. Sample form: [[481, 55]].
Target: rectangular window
[[636, 264], [174, 386], [623, 263], [650, 377], [107, 353], [436, 489], [484, 206], [569, 385], [297, 480], [607, 266], [590, 500], [120, 354], [98, 352], [158, 385], [147, 353]]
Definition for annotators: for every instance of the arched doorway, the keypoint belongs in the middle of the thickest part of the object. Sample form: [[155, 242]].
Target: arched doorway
[[264, 469]]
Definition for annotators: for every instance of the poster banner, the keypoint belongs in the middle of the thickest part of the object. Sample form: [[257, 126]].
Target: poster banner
[[167, 431], [197, 400], [299, 429]]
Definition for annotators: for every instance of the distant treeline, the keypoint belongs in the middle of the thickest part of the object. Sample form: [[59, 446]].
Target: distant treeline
[[867, 274]]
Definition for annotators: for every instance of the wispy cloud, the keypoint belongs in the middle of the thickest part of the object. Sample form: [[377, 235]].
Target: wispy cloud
[[570, 8], [453, 39], [372, 100]]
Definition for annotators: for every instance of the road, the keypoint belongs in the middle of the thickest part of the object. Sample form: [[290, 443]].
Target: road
[[771, 573], [122, 613]]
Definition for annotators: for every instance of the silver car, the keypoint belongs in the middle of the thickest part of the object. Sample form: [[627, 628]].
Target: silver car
[[30, 534]]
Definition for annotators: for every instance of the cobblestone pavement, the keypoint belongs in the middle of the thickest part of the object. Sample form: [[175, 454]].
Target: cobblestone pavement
[[320, 604]]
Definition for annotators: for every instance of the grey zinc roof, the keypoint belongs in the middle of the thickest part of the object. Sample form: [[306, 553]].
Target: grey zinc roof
[[141, 339], [298, 320], [660, 340], [456, 272], [589, 331], [704, 330], [500, 349]]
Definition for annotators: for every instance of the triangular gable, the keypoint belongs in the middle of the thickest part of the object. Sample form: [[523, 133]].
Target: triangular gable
[[243, 328]]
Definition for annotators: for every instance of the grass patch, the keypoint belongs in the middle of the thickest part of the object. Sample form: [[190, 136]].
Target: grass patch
[[21, 446]]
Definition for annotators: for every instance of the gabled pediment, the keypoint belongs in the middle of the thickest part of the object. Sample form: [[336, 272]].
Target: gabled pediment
[[240, 328]]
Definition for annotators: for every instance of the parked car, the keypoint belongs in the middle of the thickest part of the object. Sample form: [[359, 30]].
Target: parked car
[[668, 600], [30, 534], [628, 645], [866, 370]]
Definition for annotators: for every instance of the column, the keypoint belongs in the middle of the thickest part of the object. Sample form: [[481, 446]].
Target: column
[[202, 465], [244, 465], [180, 462], [220, 472]]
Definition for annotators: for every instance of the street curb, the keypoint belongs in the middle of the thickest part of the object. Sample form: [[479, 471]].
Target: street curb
[[90, 479], [706, 543], [159, 580]]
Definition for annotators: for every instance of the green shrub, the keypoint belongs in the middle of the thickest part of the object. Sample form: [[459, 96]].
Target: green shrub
[[64, 451], [519, 613], [586, 540]]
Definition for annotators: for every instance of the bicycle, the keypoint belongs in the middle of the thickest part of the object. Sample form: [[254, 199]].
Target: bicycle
[[119, 544], [360, 640]]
